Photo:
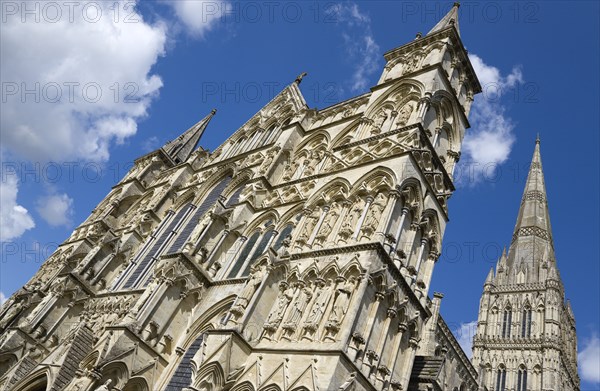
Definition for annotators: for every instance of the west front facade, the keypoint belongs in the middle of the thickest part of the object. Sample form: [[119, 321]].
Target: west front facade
[[297, 256]]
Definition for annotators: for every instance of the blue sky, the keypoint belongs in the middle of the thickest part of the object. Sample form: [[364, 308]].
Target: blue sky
[[538, 62]]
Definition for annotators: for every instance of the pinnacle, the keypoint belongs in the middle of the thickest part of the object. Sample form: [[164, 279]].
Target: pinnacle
[[450, 19], [182, 147]]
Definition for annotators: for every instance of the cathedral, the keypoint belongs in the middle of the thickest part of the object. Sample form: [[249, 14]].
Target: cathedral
[[297, 256]]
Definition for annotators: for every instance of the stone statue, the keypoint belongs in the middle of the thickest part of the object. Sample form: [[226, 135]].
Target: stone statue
[[268, 160], [309, 226], [298, 307], [11, 313], [290, 169], [352, 217], [329, 221], [105, 387], [318, 307], [286, 294], [404, 114], [250, 288], [342, 301], [380, 119], [372, 219]]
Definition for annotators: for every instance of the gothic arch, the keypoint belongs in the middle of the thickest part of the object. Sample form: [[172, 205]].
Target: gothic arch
[[7, 361], [115, 370], [345, 135], [289, 217], [431, 50], [259, 222], [187, 196], [331, 269], [415, 87], [353, 268], [377, 180], [432, 227], [208, 320], [137, 384], [245, 386], [325, 194], [414, 195], [36, 381], [321, 137], [209, 375]]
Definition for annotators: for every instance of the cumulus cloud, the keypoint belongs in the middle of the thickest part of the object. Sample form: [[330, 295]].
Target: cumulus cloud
[[491, 138], [14, 218], [464, 335], [75, 84], [56, 209], [199, 16], [589, 360], [359, 43]]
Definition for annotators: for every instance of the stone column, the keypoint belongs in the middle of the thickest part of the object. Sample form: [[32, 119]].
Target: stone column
[[436, 137], [393, 197], [398, 234], [414, 345], [233, 257], [428, 270], [385, 329], [420, 256], [362, 218], [424, 106], [393, 116], [318, 226], [216, 248], [396, 347], [368, 329]]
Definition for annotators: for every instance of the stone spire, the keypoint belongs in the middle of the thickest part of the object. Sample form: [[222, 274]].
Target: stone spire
[[182, 147], [450, 19], [532, 238]]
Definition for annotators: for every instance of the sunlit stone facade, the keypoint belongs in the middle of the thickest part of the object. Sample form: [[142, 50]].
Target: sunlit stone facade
[[296, 256]]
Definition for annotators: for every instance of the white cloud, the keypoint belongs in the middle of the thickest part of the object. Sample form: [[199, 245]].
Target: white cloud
[[199, 16], [359, 43], [490, 140], [56, 209], [14, 218], [150, 144], [589, 360], [464, 336], [3, 298], [91, 78]]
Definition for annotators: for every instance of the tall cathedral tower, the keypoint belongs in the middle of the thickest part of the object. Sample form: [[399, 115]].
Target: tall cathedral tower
[[526, 332], [297, 256]]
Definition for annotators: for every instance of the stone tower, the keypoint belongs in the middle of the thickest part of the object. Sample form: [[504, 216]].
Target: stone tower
[[297, 256], [525, 336]]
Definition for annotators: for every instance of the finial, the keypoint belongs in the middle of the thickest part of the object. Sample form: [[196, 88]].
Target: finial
[[419, 35], [300, 77], [213, 112], [537, 139], [456, 4]]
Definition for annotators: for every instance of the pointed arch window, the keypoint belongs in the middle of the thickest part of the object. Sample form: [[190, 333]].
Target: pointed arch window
[[209, 201], [237, 265], [287, 231], [182, 377], [153, 248], [501, 379], [235, 197], [526, 323], [260, 249], [522, 379], [506, 322]]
